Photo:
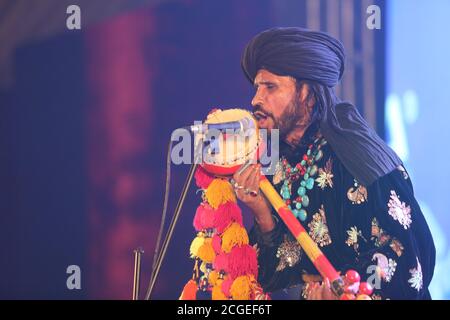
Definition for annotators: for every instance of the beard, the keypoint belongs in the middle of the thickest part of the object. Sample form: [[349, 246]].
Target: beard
[[289, 119]]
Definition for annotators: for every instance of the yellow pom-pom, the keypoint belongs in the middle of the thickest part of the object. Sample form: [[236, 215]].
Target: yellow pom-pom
[[195, 245], [206, 251], [234, 235], [219, 192], [241, 288], [217, 293], [213, 277]]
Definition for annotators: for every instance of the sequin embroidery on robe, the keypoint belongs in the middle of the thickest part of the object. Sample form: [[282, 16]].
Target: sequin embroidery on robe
[[416, 280], [399, 211], [353, 235], [325, 178], [318, 229], [385, 267], [289, 253], [357, 194]]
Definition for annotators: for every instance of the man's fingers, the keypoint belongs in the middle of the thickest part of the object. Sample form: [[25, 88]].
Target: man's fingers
[[243, 177]]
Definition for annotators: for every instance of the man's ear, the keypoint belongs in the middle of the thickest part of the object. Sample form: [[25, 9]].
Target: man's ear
[[306, 96]]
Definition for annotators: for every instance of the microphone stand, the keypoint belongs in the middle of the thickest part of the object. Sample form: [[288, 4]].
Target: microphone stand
[[172, 225]]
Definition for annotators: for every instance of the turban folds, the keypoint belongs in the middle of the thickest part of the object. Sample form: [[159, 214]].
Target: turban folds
[[296, 52], [318, 57]]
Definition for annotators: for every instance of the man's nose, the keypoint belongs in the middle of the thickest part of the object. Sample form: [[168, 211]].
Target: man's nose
[[257, 99]]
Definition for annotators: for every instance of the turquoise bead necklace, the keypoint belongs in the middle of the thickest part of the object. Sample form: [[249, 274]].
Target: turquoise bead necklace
[[305, 170]]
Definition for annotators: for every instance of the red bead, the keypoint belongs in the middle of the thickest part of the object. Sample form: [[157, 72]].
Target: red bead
[[347, 296], [288, 170], [288, 202], [305, 157], [298, 199], [365, 288], [352, 276], [298, 166]]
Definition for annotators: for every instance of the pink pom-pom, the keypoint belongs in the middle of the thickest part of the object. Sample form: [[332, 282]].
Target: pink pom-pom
[[202, 178], [226, 214], [226, 286], [204, 217], [217, 244], [242, 261], [221, 262]]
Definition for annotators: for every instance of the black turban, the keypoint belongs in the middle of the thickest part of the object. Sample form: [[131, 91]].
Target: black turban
[[296, 52], [318, 57]]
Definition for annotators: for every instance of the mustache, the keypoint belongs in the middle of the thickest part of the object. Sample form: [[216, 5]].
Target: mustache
[[262, 110]]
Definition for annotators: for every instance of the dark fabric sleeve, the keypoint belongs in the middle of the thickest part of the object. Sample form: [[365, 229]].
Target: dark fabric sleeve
[[394, 247], [267, 246]]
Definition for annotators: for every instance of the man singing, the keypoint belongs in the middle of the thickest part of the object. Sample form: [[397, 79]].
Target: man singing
[[347, 187]]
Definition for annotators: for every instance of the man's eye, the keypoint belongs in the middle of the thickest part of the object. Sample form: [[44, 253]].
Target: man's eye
[[270, 86]]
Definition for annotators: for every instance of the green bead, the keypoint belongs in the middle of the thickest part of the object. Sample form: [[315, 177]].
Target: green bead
[[305, 201], [302, 215], [319, 155], [303, 162], [295, 212], [301, 191], [309, 152], [298, 205], [309, 183], [313, 171], [303, 183], [306, 176]]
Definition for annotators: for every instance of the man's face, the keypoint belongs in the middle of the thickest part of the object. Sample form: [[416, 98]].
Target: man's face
[[276, 102]]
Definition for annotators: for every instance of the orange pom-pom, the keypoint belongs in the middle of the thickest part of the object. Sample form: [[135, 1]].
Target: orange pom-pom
[[217, 293], [189, 291], [219, 192], [234, 235], [213, 277], [241, 289], [206, 251]]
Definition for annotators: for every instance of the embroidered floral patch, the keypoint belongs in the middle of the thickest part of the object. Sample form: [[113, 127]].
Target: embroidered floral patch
[[357, 194], [397, 247], [289, 253], [379, 236], [326, 176], [416, 280], [353, 235], [399, 211], [385, 267], [318, 229]]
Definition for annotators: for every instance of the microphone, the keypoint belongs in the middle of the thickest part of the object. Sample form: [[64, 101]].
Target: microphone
[[240, 125]]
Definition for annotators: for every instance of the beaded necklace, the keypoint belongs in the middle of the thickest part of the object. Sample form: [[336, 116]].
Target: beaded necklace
[[305, 170]]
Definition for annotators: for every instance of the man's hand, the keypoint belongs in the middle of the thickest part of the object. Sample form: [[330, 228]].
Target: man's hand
[[321, 291], [246, 186]]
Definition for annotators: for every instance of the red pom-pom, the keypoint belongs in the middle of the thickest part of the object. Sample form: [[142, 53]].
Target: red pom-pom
[[365, 288], [221, 262], [217, 244], [226, 286], [352, 276], [226, 214], [202, 178], [242, 261], [204, 217]]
